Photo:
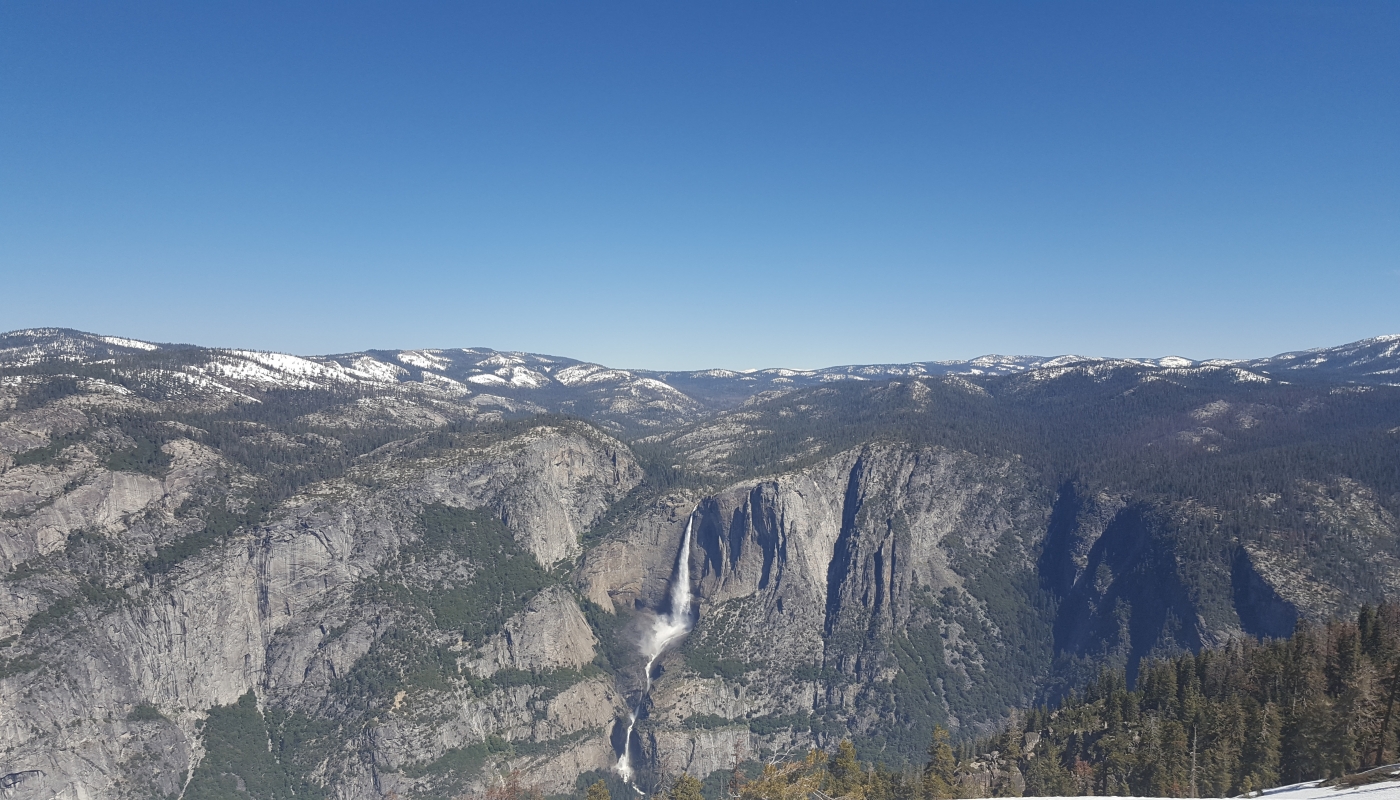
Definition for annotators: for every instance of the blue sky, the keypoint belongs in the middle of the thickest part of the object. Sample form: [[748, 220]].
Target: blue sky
[[685, 184]]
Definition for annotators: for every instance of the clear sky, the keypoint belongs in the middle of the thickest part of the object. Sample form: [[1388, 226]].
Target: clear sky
[[686, 184]]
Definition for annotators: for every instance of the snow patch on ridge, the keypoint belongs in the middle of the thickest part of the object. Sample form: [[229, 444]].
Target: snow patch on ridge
[[424, 359], [134, 344]]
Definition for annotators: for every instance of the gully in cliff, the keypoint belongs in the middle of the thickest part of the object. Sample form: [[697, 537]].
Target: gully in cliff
[[666, 629]]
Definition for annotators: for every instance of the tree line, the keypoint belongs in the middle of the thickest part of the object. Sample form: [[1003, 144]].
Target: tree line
[[1322, 703]]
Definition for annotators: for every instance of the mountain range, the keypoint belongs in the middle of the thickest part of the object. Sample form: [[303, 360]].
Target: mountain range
[[234, 573], [620, 399]]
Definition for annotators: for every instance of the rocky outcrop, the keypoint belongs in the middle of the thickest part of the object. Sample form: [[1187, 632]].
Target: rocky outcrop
[[551, 633], [572, 477], [814, 571], [41, 505], [273, 611]]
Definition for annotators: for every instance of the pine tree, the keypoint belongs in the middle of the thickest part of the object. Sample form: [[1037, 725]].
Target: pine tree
[[845, 774], [1170, 762], [1382, 734], [1007, 780], [685, 788], [598, 791], [940, 772], [788, 781]]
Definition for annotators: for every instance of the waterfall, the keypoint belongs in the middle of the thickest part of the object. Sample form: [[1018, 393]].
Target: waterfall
[[665, 630]]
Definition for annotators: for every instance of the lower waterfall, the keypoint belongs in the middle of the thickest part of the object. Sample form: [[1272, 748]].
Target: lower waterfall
[[665, 630]]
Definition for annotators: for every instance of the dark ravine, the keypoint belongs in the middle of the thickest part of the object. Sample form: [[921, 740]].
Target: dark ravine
[[413, 572]]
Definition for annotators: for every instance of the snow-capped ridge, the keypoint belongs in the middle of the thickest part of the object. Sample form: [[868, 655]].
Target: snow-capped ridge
[[627, 396], [134, 344]]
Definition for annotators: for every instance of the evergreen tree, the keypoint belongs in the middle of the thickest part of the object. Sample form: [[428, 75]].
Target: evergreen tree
[[845, 776], [686, 787], [940, 773], [598, 791]]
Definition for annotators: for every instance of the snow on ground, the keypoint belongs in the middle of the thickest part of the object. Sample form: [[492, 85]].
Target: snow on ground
[[1389, 790], [1245, 376], [424, 359], [588, 373], [787, 373], [294, 365], [1065, 361], [97, 385], [655, 385], [501, 360], [203, 382], [445, 383], [996, 364], [134, 344], [1174, 361], [716, 373], [526, 378], [878, 369], [373, 369], [249, 371]]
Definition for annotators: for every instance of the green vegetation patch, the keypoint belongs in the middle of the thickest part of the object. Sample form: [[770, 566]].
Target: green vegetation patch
[[51, 453], [709, 721], [504, 578], [238, 760], [145, 712], [448, 775], [774, 723], [708, 664], [553, 681], [219, 525], [19, 665], [718, 648], [403, 658], [498, 580], [146, 457], [615, 650], [617, 788], [88, 593], [55, 388]]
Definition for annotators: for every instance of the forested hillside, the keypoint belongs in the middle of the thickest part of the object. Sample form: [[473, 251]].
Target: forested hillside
[[1323, 703]]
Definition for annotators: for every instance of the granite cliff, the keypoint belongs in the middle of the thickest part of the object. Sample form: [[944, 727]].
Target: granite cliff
[[236, 574]]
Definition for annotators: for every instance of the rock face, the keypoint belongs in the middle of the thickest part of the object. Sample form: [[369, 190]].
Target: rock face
[[808, 581], [414, 590], [279, 610]]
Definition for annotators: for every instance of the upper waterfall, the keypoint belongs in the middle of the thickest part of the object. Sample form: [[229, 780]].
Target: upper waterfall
[[665, 630], [676, 622]]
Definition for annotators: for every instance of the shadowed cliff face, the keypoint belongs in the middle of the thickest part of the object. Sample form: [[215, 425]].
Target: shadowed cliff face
[[1128, 598], [1125, 590], [809, 586], [1262, 612]]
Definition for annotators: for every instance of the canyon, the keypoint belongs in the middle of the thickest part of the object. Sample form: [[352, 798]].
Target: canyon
[[413, 573]]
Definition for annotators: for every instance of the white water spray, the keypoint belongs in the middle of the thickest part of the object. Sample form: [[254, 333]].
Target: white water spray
[[665, 630]]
